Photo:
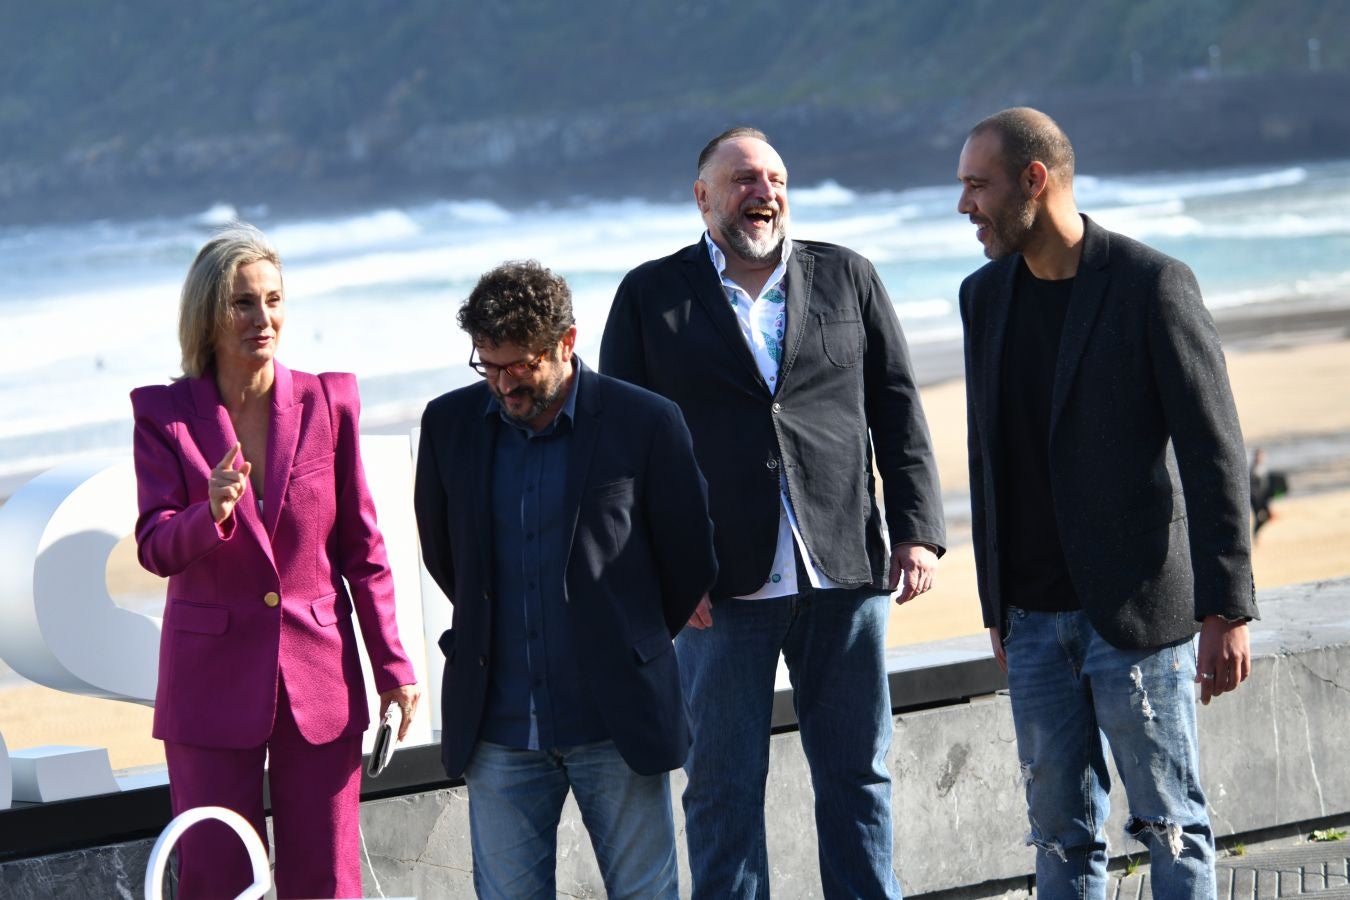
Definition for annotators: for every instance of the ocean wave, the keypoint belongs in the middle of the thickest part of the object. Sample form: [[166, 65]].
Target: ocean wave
[[1097, 191], [1333, 284], [218, 214], [1279, 226], [845, 231], [90, 309], [827, 193], [474, 212], [1143, 227], [84, 330], [1168, 220], [316, 237]]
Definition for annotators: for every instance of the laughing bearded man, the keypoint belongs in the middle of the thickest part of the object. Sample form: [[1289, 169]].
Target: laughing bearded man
[[788, 362]]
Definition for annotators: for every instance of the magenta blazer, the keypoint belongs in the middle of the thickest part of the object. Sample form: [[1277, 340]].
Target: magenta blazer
[[261, 596]]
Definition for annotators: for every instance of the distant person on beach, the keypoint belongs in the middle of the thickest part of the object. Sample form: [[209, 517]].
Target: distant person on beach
[[1265, 486], [563, 514], [789, 363], [253, 503], [1109, 510]]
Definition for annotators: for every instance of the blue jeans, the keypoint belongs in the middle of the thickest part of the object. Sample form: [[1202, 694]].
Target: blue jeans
[[516, 800], [834, 644], [1071, 693]]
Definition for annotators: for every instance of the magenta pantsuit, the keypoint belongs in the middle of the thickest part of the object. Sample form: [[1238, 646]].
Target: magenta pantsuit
[[258, 650]]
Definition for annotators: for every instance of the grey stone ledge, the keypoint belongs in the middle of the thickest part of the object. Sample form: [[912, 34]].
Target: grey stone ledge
[[1272, 754]]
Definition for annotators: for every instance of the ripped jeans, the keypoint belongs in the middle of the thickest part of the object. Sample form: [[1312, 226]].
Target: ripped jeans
[[1072, 695]]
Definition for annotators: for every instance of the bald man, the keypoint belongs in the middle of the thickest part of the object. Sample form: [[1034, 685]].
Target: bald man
[[1108, 490], [788, 362]]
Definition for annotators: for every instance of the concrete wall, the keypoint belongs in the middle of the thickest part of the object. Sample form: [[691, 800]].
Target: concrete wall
[[1273, 754]]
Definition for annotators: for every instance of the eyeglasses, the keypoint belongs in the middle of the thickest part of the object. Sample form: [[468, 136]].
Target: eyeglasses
[[492, 371]]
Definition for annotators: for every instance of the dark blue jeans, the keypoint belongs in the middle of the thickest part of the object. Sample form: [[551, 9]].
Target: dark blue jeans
[[834, 645], [1072, 695]]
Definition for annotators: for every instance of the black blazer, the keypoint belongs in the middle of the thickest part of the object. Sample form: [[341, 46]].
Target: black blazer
[[641, 556], [1147, 467], [845, 388]]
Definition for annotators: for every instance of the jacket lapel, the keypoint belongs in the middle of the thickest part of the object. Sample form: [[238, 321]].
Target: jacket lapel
[[800, 269], [996, 305], [213, 431], [214, 434], [1085, 302], [283, 435], [702, 277], [585, 432], [482, 449]]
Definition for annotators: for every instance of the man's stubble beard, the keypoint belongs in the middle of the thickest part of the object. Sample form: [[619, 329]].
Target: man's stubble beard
[[1010, 234], [544, 397]]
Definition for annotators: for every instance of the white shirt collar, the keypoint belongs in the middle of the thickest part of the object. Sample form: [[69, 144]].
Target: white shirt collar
[[719, 259]]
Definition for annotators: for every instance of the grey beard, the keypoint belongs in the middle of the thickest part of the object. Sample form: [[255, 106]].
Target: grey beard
[[749, 250]]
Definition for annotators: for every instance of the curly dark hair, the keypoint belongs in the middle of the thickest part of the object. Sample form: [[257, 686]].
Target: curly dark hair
[[519, 303]]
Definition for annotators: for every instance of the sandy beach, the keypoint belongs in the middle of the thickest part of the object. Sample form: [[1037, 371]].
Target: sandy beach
[[1289, 389]]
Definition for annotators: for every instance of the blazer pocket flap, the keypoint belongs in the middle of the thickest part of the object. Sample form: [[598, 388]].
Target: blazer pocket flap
[[311, 466], [652, 646], [199, 618], [842, 335], [327, 610], [447, 643], [613, 488]]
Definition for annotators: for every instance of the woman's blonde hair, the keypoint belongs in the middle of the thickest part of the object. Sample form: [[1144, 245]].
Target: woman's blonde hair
[[204, 303]]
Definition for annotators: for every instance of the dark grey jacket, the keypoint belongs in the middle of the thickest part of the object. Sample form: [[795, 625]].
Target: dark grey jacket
[[1147, 467], [845, 388]]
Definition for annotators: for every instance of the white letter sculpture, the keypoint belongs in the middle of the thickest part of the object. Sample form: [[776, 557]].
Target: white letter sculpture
[[58, 625], [159, 855]]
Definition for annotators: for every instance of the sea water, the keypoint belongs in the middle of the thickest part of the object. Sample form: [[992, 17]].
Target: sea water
[[89, 311]]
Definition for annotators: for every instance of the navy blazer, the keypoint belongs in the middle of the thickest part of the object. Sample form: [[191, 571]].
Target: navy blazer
[[1147, 466], [845, 389], [640, 558]]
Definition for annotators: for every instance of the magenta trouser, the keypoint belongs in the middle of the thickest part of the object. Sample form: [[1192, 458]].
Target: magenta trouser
[[316, 792]]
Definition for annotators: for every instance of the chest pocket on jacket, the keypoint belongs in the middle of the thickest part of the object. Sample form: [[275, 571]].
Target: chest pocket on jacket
[[842, 335], [311, 467]]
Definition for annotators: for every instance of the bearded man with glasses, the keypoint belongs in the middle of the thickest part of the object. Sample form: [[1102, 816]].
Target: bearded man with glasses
[[563, 514]]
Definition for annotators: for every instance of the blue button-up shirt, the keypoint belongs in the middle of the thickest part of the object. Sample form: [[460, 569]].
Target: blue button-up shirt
[[535, 696]]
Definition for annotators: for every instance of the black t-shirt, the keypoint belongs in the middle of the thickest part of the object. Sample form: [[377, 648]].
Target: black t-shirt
[[1034, 574]]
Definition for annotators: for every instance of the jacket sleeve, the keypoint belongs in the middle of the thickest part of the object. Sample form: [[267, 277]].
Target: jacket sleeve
[[1201, 416], [909, 478], [172, 530], [676, 509], [429, 501], [621, 351], [361, 555]]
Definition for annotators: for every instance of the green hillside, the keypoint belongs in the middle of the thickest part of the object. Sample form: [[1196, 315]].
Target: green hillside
[[154, 92]]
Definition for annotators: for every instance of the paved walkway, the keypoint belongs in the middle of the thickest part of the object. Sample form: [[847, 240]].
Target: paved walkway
[[1321, 871]]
